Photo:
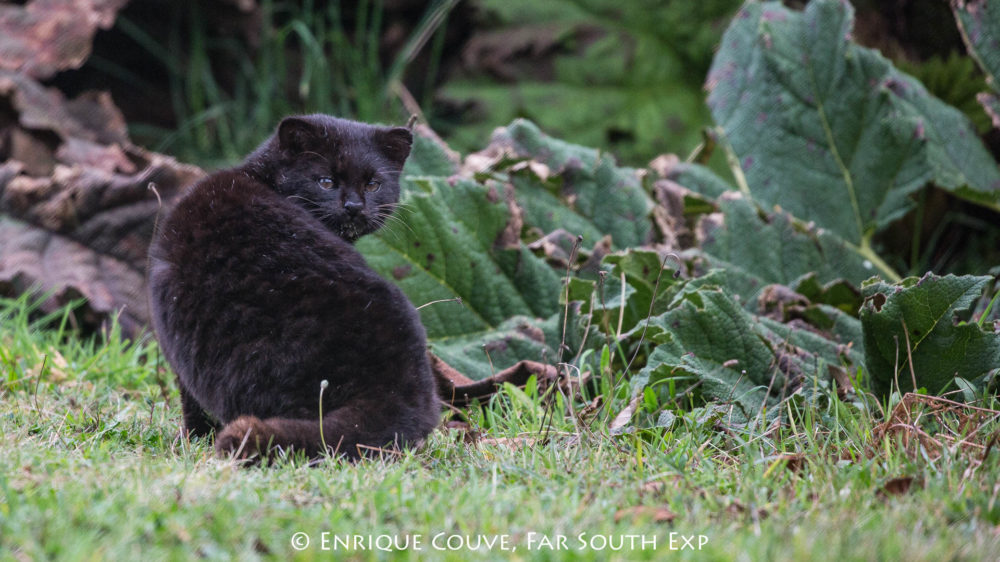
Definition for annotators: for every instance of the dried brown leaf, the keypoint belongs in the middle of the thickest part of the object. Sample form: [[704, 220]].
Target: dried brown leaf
[[669, 214], [76, 218], [42, 37], [794, 462], [509, 442], [844, 385], [625, 416], [953, 424], [897, 486], [459, 390], [463, 429]]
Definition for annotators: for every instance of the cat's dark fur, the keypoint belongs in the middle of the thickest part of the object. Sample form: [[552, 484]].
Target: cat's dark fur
[[257, 296]]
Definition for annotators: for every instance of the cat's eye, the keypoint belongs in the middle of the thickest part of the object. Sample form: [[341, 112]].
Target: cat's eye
[[325, 183], [373, 186]]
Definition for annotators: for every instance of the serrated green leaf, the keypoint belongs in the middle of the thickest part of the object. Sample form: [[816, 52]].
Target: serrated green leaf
[[917, 318], [646, 277], [699, 179], [711, 337], [479, 355], [789, 88], [441, 246], [776, 248], [758, 249], [585, 193], [840, 345], [955, 80]]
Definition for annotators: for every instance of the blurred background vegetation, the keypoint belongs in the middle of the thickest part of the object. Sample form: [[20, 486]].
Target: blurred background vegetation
[[206, 81]]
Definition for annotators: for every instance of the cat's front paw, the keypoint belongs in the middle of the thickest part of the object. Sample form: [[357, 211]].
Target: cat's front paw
[[245, 437]]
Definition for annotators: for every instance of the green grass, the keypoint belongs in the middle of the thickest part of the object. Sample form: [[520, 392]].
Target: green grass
[[314, 61], [91, 469]]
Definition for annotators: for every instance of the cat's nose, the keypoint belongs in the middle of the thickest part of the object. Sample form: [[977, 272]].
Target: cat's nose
[[353, 207]]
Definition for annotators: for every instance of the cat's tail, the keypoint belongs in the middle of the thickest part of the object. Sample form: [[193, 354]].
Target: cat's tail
[[346, 432]]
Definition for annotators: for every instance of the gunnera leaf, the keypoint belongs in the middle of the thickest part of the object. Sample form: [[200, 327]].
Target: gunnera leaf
[[832, 132], [632, 286], [918, 319], [765, 248], [757, 248], [429, 155], [443, 245], [710, 337], [560, 185]]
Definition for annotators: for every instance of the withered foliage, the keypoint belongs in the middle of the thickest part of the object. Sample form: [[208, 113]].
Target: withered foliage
[[76, 208], [930, 425]]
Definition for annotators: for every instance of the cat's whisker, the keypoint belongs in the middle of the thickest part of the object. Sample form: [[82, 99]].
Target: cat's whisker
[[396, 220], [398, 234], [409, 208], [317, 154], [393, 231], [306, 199], [386, 218], [398, 204], [388, 230]]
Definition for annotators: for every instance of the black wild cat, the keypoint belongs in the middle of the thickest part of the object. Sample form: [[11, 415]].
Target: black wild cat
[[258, 296]]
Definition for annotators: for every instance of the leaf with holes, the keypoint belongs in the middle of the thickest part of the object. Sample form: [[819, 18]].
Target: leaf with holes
[[918, 319]]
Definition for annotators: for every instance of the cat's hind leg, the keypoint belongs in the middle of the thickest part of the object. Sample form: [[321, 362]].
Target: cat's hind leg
[[350, 431]]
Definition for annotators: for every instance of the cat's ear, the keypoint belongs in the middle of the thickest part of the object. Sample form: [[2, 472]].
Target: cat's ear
[[395, 144], [298, 135]]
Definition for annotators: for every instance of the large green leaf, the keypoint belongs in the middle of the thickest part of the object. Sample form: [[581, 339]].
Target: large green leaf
[[428, 157], [916, 319], [832, 132], [979, 23], [576, 188], [479, 355], [758, 248], [768, 248], [458, 238], [442, 245], [709, 336], [645, 277]]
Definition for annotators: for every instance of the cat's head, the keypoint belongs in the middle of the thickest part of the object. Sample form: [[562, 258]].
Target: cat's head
[[344, 172]]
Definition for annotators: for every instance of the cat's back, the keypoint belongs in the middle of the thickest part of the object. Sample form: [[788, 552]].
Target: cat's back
[[242, 281]]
